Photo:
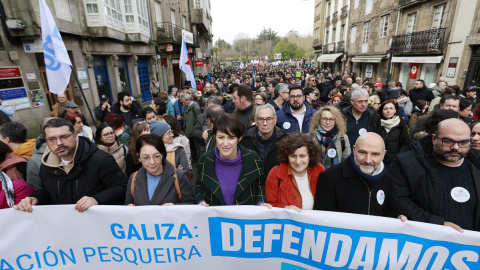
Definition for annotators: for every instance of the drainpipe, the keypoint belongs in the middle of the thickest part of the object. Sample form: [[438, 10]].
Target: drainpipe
[[389, 70], [155, 74]]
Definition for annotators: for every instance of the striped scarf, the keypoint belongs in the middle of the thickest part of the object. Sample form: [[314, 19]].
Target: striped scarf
[[326, 140], [7, 186]]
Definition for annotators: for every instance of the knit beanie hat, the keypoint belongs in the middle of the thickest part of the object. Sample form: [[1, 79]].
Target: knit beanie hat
[[159, 128]]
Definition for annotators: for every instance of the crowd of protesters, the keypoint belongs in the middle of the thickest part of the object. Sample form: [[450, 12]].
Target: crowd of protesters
[[284, 136]]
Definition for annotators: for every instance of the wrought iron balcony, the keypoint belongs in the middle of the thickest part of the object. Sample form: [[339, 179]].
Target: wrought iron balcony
[[335, 17], [325, 48], [424, 41], [316, 40], [340, 47], [327, 21], [343, 13], [171, 33]]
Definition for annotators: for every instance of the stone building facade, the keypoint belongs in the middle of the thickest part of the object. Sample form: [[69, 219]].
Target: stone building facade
[[372, 27], [318, 30]]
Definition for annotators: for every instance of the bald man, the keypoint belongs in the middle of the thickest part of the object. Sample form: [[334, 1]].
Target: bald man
[[354, 186], [439, 180]]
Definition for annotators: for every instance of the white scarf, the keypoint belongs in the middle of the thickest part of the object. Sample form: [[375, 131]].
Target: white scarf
[[388, 124], [7, 186]]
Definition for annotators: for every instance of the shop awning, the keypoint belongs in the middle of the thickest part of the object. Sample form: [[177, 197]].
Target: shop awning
[[369, 59], [417, 59], [329, 58]]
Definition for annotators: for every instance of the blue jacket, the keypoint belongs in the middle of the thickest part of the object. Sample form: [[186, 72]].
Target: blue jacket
[[289, 123], [179, 110], [170, 109]]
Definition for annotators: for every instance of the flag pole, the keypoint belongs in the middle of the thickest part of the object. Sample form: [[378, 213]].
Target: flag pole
[[83, 95]]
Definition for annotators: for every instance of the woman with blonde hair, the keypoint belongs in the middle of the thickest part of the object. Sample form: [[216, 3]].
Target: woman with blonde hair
[[329, 126], [132, 161], [374, 102]]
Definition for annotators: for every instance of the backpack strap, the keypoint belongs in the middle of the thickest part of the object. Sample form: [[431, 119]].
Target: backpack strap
[[132, 185], [177, 187]]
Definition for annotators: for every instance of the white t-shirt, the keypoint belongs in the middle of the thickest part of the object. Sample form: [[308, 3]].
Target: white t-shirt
[[299, 117], [304, 187]]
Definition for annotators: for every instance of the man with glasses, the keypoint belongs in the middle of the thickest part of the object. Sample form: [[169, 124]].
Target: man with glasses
[[264, 135], [439, 180], [294, 115], [75, 171]]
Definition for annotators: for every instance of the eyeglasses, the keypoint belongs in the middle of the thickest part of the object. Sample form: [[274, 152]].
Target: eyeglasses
[[108, 134], [268, 119], [326, 120], [146, 158], [62, 138], [450, 143], [296, 97]]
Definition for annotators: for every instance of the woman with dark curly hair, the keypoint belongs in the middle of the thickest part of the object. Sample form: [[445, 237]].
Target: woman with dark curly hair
[[292, 184], [394, 130]]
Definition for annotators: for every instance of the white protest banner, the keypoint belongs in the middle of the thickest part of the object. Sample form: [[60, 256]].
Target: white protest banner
[[230, 237]]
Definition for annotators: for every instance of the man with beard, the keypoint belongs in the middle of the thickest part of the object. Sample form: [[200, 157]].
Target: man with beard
[[439, 180], [75, 171], [294, 115], [357, 179], [128, 110]]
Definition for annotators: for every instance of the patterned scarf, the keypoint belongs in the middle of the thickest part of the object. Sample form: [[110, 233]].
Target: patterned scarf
[[326, 140], [7, 186]]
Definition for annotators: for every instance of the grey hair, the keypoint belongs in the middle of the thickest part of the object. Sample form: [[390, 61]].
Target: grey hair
[[280, 88], [390, 83], [213, 112], [265, 106], [187, 96], [358, 92], [214, 100]]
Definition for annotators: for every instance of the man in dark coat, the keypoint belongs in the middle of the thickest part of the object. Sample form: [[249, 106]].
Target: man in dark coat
[[75, 171], [263, 137], [420, 91], [360, 118], [355, 185], [103, 109], [439, 180], [130, 111]]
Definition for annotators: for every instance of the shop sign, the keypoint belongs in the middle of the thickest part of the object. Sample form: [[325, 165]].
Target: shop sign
[[369, 71], [413, 70], [199, 63], [169, 48]]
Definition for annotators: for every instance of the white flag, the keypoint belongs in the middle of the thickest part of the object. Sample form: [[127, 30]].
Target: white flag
[[57, 62], [186, 65]]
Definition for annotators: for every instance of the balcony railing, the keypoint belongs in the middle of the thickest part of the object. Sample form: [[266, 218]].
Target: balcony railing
[[316, 40], [343, 13], [335, 17], [170, 33], [325, 48], [410, 2], [340, 47], [327, 21], [424, 41]]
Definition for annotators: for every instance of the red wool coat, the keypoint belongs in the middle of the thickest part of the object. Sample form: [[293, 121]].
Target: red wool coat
[[282, 189]]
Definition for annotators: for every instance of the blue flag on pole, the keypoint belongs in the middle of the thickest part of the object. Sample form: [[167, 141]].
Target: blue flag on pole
[[57, 62]]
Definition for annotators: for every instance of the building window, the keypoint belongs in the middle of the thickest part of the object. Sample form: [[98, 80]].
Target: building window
[[327, 37], [198, 3], [92, 8], [112, 9], [439, 11], [334, 32], [384, 25], [158, 14], [128, 6], [184, 22], [411, 20], [366, 31], [368, 8], [342, 33], [142, 13], [355, 4], [353, 35]]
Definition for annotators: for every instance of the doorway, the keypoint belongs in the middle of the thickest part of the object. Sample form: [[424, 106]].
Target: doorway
[[473, 73], [428, 73], [142, 65]]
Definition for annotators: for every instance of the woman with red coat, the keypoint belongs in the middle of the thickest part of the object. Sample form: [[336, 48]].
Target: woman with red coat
[[292, 184]]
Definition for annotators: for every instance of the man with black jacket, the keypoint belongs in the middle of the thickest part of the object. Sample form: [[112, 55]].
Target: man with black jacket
[[325, 88], [75, 171], [420, 91], [263, 137], [130, 111], [355, 185], [439, 180], [360, 118]]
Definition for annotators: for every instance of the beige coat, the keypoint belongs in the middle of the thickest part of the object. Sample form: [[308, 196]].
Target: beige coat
[[118, 152]]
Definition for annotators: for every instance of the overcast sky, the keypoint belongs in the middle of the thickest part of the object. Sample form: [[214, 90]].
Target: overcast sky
[[250, 16]]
